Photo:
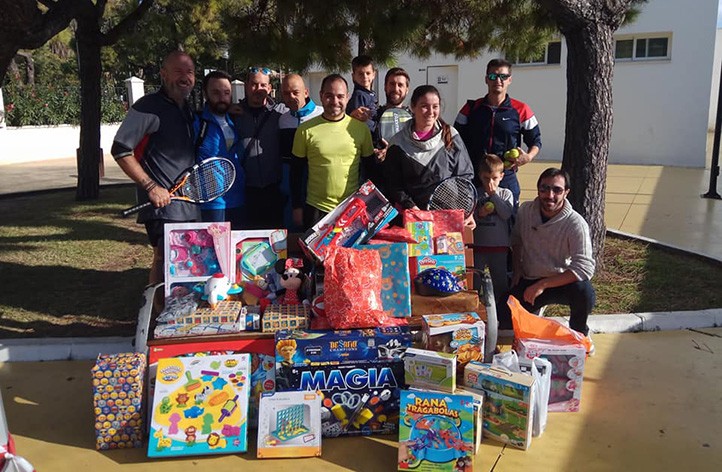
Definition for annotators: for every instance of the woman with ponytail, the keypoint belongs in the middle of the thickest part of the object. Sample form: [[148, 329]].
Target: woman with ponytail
[[425, 152]]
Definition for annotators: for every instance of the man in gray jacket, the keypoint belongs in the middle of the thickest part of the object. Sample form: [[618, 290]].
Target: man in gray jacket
[[259, 152], [552, 253]]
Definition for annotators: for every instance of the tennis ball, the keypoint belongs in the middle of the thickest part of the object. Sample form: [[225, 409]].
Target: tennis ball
[[511, 154], [508, 164], [489, 206]]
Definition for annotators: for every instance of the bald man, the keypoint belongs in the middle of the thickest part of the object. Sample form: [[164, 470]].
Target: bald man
[[301, 108]]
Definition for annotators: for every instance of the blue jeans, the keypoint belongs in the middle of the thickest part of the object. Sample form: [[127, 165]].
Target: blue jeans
[[579, 296]]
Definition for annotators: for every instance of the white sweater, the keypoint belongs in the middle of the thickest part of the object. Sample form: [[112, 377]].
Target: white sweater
[[562, 243]]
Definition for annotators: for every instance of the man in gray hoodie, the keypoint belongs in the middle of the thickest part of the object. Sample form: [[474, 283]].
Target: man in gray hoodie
[[552, 253]]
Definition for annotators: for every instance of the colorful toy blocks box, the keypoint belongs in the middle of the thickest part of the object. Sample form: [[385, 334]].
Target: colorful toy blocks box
[[421, 231], [430, 369], [436, 432], [261, 350], [567, 360], [300, 347], [189, 331], [200, 406], [196, 251], [117, 400], [256, 252], [360, 397], [508, 400], [462, 334], [278, 317], [396, 286], [353, 222], [289, 425]]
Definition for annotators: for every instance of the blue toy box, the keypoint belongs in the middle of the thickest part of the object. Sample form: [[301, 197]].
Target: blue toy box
[[299, 347], [359, 397], [436, 432]]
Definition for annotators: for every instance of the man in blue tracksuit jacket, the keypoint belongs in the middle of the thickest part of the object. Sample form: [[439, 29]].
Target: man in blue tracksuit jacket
[[497, 123], [216, 137]]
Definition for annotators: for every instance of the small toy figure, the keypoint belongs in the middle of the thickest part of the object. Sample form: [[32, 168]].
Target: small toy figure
[[217, 288], [292, 280], [190, 435]]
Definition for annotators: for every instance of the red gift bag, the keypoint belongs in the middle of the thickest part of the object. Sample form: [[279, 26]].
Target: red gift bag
[[352, 289], [445, 221]]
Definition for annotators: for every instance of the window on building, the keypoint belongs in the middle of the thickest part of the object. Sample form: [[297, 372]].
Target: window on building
[[552, 54], [641, 48]]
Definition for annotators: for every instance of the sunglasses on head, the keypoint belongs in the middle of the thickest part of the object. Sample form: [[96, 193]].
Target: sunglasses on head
[[492, 76], [262, 70], [555, 189]]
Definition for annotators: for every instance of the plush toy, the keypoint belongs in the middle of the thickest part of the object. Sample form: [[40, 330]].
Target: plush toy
[[217, 288], [292, 281]]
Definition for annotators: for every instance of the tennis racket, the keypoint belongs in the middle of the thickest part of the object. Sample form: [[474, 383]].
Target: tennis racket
[[391, 121], [200, 183], [452, 194]]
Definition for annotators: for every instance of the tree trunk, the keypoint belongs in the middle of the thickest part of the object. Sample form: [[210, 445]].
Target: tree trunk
[[89, 38], [590, 65]]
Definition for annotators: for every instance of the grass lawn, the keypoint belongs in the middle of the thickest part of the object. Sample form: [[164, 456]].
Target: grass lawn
[[72, 268]]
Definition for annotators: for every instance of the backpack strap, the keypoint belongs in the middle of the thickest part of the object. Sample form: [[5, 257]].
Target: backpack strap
[[203, 131]]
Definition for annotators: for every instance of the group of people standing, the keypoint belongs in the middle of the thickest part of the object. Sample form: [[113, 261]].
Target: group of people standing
[[296, 161]]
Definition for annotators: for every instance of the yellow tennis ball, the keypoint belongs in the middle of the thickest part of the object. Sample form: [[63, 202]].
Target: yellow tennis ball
[[489, 206], [511, 154]]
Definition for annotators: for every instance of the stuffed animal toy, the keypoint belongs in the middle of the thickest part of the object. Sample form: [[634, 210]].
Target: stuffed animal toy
[[292, 280]]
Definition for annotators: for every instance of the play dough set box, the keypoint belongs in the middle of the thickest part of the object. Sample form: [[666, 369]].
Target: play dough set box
[[462, 334], [436, 432], [299, 347], [200, 406], [117, 400], [289, 425], [359, 397]]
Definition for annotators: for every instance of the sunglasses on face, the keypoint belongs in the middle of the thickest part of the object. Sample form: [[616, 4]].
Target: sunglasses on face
[[554, 189], [262, 70], [492, 76]]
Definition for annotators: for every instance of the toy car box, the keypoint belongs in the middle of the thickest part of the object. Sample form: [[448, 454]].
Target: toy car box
[[436, 432], [299, 347], [430, 369], [289, 425], [200, 406], [360, 397], [353, 222], [508, 400], [117, 400], [567, 362], [462, 334]]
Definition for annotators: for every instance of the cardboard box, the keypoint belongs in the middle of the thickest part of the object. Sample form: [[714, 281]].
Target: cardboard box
[[430, 369], [196, 251], [300, 347], [462, 334], [567, 370], [396, 286], [278, 317], [436, 432], [449, 243], [118, 400], [197, 330], [227, 311], [200, 406], [289, 425], [360, 397], [422, 232], [508, 400], [256, 252], [353, 222]]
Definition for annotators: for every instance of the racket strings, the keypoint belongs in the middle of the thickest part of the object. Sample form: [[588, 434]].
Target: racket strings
[[454, 194], [209, 181]]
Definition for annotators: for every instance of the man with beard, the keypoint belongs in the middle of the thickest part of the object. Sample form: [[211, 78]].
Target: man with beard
[[154, 145], [552, 253], [216, 136], [333, 146], [259, 152]]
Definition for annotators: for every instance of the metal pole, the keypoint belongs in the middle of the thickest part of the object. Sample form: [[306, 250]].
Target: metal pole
[[714, 169]]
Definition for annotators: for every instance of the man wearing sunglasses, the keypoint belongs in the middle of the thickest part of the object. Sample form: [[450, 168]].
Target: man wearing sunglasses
[[259, 151], [497, 123], [552, 251]]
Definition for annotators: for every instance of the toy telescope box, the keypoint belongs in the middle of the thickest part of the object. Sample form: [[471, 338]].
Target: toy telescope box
[[567, 360], [289, 425], [301, 347], [353, 222], [200, 406], [360, 397], [436, 432], [462, 334], [508, 400]]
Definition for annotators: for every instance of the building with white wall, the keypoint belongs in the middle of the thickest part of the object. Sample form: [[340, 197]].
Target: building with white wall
[[665, 88]]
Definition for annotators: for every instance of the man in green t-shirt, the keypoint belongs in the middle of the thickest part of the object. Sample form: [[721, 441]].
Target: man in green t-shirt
[[335, 147]]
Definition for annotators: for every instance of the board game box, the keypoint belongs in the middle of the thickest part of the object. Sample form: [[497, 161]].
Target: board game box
[[289, 425], [430, 369], [460, 333]]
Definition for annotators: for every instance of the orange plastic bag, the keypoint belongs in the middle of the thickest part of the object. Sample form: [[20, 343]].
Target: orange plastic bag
[[529, 326]]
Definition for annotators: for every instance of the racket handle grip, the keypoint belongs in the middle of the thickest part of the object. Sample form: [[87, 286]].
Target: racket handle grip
[[135, 209]]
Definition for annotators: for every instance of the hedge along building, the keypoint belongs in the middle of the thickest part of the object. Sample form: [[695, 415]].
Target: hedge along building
[[666, 80]]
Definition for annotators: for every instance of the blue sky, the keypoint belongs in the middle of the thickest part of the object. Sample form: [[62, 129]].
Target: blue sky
[[719, 14]]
